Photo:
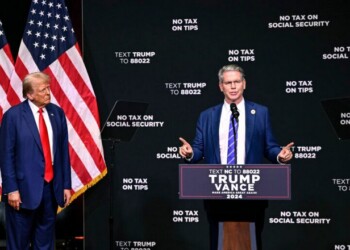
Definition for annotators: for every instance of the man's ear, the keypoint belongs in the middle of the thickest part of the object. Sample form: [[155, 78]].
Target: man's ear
[[30, 96], [220, 87]]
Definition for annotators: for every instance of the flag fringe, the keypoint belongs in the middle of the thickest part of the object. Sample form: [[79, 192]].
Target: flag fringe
[[86, 187]]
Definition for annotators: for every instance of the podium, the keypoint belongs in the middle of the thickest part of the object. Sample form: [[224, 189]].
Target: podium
[[236, 184], [236, 236]]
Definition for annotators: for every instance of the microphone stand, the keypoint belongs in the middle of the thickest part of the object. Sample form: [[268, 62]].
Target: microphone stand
[[235, 134], [235, 115]]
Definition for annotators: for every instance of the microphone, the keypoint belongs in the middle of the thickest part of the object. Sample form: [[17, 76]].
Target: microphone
[[234, 110]]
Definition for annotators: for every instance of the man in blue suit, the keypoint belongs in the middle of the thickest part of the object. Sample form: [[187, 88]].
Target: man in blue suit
[[36, 178], [255, 142]]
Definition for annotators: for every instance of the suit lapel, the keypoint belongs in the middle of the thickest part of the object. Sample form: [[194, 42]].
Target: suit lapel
[[250, 123], [30, 121], [53, 125], [216, 114]]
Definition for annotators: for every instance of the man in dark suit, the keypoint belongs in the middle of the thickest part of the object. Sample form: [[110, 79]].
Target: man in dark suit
[[35, 166], [255, 141]]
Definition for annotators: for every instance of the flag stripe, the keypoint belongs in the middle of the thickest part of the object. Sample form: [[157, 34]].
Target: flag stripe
[[82, 152], [15, 95], [77, 185], [4, 104], [5, 76], [6, 60], [78, 168], [68, 93], [4, 80], [75, 56], [6, 70], [79, 84], [80, 172], [73, 95], [74, 118]]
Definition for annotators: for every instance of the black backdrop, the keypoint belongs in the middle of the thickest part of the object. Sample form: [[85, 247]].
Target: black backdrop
[[167, 54]]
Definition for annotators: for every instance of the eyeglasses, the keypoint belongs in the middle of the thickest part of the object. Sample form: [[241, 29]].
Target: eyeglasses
[[232, 82]]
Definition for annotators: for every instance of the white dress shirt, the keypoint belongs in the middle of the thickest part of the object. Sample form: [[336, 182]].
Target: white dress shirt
[[35, 111], [224, 129]]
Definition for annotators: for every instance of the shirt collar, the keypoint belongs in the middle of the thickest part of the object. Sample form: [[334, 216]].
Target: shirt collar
[[34, 108], [240, 106]]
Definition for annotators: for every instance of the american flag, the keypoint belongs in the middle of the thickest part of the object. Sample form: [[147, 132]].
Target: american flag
[[6, 70], [49, 45]]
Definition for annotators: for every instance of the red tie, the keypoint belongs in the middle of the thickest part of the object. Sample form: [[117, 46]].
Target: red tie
[[44, 137]]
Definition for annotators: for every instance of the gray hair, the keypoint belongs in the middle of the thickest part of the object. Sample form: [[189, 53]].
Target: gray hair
[[28, 80], [230, 67]]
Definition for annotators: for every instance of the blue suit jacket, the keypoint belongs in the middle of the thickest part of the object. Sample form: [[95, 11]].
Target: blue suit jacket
[[260, 141], [22, 159]]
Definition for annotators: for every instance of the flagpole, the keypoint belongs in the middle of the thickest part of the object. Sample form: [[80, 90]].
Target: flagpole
[[111, 192]]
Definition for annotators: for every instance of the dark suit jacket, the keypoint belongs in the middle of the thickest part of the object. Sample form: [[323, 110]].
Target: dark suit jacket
[[260, 143], [22, 159]]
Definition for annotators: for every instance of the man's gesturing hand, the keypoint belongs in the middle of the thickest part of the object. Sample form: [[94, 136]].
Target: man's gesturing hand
[[286, 154], [185, 150]]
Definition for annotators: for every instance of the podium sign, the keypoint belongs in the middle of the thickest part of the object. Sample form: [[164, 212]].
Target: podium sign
[[238, 182]]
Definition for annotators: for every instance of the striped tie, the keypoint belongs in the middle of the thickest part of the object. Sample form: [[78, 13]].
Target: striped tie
[[232, 142]]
